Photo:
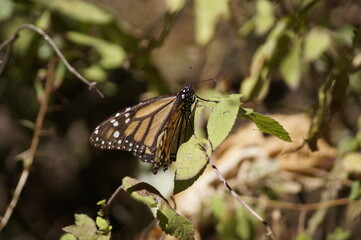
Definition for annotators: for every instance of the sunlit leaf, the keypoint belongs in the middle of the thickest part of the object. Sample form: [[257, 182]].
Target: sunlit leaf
[[169, 220], [339, 234], [6, 9], [316, 43], [85, 229], [352, 162], [43, 21], [95, 73], [175, 5], [207, 13], [257, 83], [81, 11], [291, 66], [265, 18], [112, 55], [266, 124], [67, 236], [218, 206], [223, 118], [303, 236], [355, 190], [191, 161]]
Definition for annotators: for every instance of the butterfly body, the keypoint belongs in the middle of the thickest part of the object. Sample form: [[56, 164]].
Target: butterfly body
[[152, 130]]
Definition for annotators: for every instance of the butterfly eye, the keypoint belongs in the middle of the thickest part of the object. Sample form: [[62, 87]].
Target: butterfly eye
[[152, 130]]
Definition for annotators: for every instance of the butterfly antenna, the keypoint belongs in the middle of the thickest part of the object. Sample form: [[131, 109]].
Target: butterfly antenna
[[188, 74], [206, 80]]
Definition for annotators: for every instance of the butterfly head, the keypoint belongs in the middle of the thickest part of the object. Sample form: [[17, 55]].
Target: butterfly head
[[187, 94]]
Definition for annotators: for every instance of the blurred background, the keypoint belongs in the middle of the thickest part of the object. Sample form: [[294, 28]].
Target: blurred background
[[296, 61]]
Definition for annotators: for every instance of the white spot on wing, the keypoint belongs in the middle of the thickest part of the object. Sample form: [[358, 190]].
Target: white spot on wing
[[127, 120], [115, 123], [117, 115], [116, 134]]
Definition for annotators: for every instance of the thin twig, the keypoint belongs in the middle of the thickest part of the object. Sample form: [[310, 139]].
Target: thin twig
[[298, 206], [47, 38], [111, 199], [269, 232], [28, 156], [4, 61]]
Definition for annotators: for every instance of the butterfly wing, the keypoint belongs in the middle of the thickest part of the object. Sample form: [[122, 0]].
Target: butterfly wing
[[173, 136], [135, 129], [175, 132], [152, 130]]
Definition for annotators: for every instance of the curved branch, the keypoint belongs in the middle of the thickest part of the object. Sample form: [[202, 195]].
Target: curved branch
[[47, 38]]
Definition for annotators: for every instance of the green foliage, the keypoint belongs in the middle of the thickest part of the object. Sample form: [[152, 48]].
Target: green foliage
[[111, 55], [232, 224], [257, 83], [291, 66], [293, 42], [351, 144], [6, 8], [222, 119], [303, 236], [192, 160], [355, 191], [339, 234], [67, 236], [317, 42], [79, 10], [86, 229], [265, 124], [207, 14], [170, 221]]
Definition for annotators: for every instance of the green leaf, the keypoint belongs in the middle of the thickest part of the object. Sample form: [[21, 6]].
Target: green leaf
[[207, 13], [95, 73], [218, 206], [243, 227], [265, 124], [265, 18], [355, 190], [191, 162], [339, 234], [175, 5], [43, 21], [67, 236], [174, 224], [352, 163], [85, 229], [141, 192], [303, 236], [103, 225], [169, 221], [6, 9], [316, 43], [257, 83], [223, 118], [291, 66], [112, 55], [79, 10]]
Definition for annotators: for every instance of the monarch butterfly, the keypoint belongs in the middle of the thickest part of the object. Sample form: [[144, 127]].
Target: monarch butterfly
[[152, 130]]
